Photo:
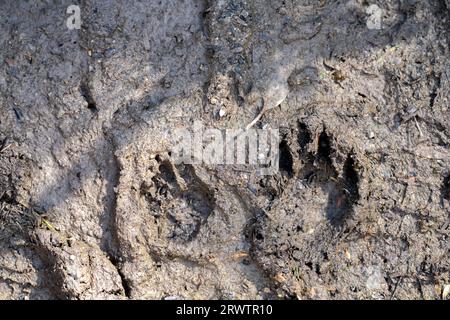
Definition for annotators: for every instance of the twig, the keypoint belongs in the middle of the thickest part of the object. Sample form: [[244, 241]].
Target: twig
[[258, 117], [418, 126]]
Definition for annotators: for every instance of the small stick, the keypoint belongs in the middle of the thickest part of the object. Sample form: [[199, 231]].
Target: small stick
[[258, 117], [418, 126]]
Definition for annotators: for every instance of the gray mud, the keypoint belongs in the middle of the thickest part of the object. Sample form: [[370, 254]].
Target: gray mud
[[92, 206]]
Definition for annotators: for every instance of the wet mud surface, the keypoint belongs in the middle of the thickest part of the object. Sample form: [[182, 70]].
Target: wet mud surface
[[92, 206]]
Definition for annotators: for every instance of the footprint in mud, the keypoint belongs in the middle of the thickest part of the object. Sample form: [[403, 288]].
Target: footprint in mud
[[310, 161], [318, 170], [316, 201], [342, 190], [193, 230], [179, 196]]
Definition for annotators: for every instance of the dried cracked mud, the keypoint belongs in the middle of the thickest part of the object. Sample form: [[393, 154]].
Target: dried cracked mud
[[93, 207]]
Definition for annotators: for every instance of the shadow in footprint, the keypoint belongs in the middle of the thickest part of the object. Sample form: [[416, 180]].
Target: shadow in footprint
[[445, 188], [343, 195]]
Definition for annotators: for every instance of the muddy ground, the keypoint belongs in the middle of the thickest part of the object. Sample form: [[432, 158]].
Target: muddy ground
[[92, 206]]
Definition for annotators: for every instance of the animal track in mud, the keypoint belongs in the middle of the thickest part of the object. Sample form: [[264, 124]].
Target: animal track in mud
[[314, 166], [342, 190], [177, 195], [324, 186]]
